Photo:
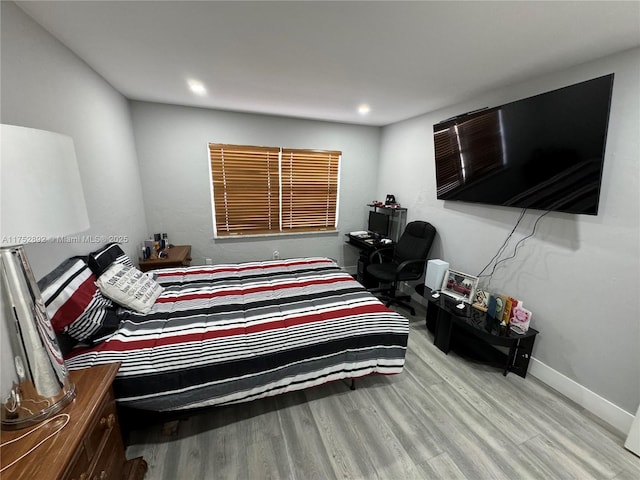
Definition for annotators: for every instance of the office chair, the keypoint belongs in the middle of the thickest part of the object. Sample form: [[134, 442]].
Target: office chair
[[404, 261]]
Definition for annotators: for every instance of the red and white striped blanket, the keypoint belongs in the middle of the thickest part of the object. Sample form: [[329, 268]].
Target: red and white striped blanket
[[224, 334]]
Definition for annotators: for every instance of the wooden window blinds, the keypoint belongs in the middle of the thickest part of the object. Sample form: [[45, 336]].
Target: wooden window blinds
[[269, 190]]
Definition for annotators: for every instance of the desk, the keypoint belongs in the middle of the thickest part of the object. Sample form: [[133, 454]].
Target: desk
[[475, 334], [366, 245]]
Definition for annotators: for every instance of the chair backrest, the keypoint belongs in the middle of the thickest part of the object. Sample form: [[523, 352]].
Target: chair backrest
[[415, 243]]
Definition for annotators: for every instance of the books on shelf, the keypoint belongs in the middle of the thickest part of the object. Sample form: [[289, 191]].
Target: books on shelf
[[509, 305], [520, 319], [507, 310], [500, 302]]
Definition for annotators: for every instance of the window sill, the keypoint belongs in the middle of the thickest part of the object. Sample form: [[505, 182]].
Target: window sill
[[256, 236]]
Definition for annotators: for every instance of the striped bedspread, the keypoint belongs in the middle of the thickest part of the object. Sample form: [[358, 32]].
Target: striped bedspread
[[224, 334]]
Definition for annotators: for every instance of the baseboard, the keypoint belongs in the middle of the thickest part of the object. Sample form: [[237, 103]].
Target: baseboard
[[594, 403]]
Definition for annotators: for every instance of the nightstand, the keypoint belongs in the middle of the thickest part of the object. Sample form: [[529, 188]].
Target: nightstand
[[89, 447], [177, 256]]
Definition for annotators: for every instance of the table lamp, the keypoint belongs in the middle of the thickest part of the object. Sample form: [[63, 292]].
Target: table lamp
[[41, 199]]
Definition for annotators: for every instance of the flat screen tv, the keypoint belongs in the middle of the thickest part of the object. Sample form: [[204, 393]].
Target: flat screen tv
[[545, 152]]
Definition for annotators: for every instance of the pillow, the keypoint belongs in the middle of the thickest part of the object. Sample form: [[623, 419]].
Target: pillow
[[66, 342], [77, 309], [129, 287], [102, 259]]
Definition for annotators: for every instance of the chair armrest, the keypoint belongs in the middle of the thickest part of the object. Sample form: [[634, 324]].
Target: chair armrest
[[378, 251], [404, 265]]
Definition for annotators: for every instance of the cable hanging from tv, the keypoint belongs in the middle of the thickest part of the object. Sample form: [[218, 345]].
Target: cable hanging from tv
[[504, 245]]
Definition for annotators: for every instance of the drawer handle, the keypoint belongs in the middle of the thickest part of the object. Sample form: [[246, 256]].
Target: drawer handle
[[109, 421]]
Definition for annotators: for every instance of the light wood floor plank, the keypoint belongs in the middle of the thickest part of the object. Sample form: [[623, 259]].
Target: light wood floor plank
[[443, 467], [409, 422], [305, 449], [389, 457], [339, 434], [442, 418]]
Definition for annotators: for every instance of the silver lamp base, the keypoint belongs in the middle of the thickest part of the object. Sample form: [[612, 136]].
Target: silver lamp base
[[34, 380], [24, 412]]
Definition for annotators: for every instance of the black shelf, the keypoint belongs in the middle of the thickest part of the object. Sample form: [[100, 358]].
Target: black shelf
[[475, 335]]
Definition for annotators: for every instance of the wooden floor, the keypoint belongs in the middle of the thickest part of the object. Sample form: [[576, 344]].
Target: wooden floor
[[442, 418]]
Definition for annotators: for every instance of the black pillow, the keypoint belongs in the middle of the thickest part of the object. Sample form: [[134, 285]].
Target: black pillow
[[66, 342], [101, 259]]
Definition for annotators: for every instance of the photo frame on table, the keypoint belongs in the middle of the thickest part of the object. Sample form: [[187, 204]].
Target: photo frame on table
[[481, 300], [459, 285]]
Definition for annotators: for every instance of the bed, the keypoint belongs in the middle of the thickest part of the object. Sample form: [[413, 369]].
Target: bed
[[227, 333]]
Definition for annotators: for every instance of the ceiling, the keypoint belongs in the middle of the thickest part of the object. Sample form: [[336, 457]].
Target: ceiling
[[323, 59]]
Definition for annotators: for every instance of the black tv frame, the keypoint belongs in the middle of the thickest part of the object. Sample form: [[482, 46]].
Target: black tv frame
[[543, 152]]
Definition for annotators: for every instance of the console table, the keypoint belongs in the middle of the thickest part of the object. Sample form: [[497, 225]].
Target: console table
[[473, 333]]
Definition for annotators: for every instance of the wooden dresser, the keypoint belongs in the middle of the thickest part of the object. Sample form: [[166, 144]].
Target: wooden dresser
[[177, 256], [89, 447]]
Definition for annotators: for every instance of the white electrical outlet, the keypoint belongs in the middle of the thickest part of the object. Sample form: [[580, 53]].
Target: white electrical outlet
[[276, 254], [208, 261]]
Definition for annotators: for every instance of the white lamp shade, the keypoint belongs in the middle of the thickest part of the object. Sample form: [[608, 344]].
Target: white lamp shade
[[41, 195]]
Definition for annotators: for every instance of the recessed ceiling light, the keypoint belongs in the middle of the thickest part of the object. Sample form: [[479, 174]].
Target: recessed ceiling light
[[364, 109], [197, 87]]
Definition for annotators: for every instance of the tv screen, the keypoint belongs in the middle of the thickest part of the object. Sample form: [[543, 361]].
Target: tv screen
[[378, 223], [544, 152]]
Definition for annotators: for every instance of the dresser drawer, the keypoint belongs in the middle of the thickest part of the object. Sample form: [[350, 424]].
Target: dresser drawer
[[101, 428], [110, 463], [101, 454], [79, 466]]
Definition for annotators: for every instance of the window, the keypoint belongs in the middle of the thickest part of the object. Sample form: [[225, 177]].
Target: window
[[270, 190]]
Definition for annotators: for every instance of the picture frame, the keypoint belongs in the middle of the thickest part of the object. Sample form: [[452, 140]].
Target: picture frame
[[459, 285], [481, 300]]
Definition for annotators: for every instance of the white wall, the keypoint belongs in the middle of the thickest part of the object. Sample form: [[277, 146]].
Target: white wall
[[580, 275], [44, 85], [172, 145]]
